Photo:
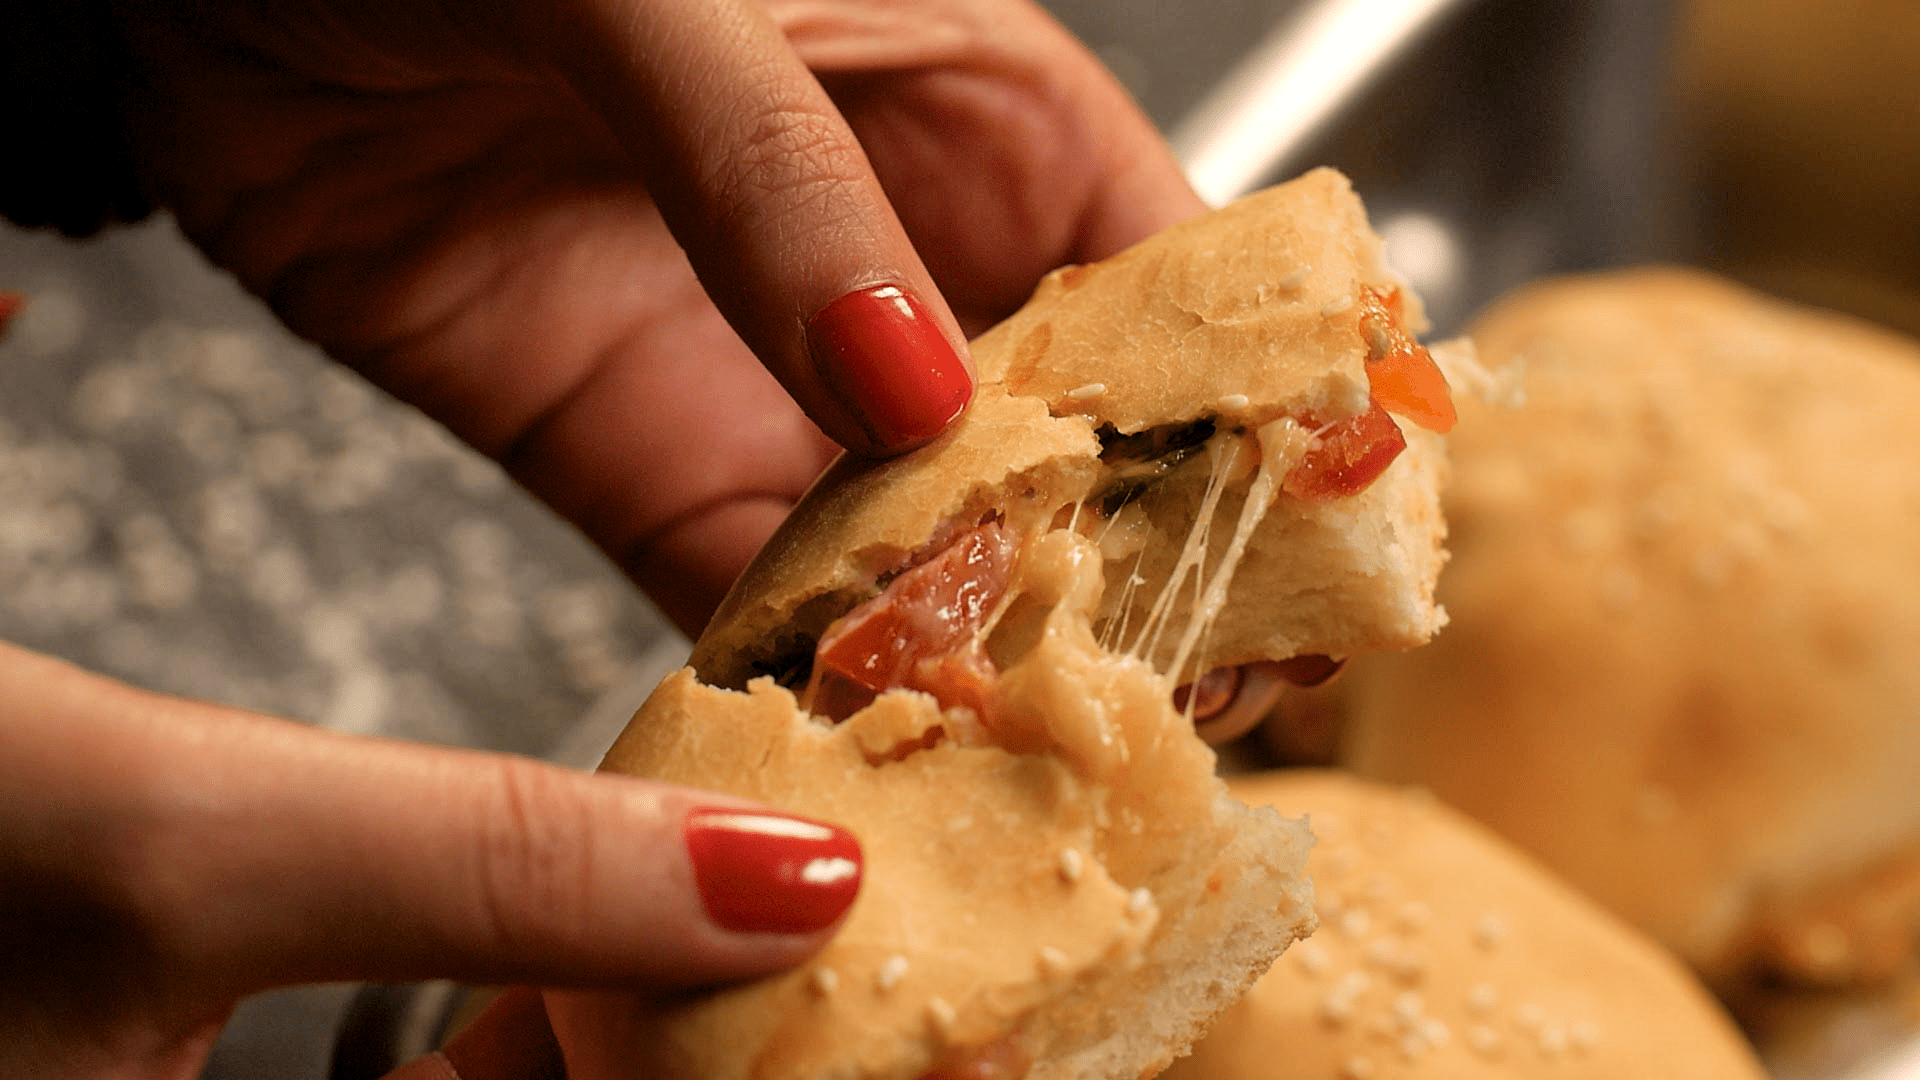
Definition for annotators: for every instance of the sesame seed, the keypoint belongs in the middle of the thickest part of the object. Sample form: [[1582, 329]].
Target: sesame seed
[[1070, 865], [823, 981], [1408, 1007], [1139, 901], [1380, 953], [1089, 390], [1412, 1046], [891, 972], [1234, 401], [1529, 1016], [1336, 1007], [1410, 966], [1482, 998], [1295, 278], [1356, 1068], [1335, 307], [1312, 957], [1053, 962], [1582, 1037], [1489, 931], [1355, 923], [1435, 1031], [941, 1013], [1414, 916], [1483, 1039], [1553, 1040]]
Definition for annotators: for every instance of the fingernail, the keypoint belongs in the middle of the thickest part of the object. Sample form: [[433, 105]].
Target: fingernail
[[881, 352], [762, 872]]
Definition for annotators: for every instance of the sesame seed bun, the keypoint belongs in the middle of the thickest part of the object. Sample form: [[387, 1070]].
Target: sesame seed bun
[[1065, 875], [1686, 616], [1443, 952]]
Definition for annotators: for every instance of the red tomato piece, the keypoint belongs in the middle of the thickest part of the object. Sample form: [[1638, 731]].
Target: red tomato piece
[[918, 633], [1346, 456], [1400, 371]]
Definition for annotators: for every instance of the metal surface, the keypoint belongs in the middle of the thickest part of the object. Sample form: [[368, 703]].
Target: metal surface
[[1291, 86]]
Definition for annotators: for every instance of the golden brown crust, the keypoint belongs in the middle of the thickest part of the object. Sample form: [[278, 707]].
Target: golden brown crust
[[1445, 953], [1681, 664]]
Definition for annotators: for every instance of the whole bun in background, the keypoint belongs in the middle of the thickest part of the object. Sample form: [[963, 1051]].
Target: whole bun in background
[[1444, 952], [1683, 667]]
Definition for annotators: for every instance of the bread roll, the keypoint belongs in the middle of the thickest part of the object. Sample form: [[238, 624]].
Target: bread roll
[[1443, 953], [1684, 663]]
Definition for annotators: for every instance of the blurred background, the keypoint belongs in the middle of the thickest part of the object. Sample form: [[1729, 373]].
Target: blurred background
[[195, 502]]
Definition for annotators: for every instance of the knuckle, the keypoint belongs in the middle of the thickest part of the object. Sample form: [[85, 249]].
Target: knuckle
[[787, 160], [533, 863]]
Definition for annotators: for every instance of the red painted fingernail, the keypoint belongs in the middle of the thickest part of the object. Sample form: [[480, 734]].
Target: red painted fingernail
[[762, 872], [883, 355]]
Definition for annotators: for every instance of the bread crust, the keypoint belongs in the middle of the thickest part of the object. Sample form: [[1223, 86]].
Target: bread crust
[[1444, 952], [1681, 669]]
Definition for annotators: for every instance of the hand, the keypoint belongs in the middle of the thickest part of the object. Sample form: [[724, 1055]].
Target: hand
[[160, 858], [478, 207]]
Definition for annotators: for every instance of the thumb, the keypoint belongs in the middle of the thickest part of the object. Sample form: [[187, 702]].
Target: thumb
[[768, 190], [262, 852]]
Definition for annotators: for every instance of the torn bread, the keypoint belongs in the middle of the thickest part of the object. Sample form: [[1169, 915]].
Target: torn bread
[[1444, 952], [968, 656]]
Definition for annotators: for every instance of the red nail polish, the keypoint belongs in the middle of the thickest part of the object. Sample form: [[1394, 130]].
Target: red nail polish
[[884, 356], [771, 873]]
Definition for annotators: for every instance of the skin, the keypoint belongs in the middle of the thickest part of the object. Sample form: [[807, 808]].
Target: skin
[[586, 235]]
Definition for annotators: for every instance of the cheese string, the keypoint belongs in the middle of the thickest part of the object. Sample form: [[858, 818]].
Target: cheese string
[[1193, 552], [1260, 497]]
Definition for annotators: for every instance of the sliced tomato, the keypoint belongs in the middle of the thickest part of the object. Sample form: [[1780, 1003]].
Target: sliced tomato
[[919, 633], [1345, 457], [10, 305], [1400, 371]]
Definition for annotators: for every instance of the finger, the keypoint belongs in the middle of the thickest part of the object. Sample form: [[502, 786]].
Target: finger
[[258, 852], [1039, 156], [509, 1040], [764, 184]]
